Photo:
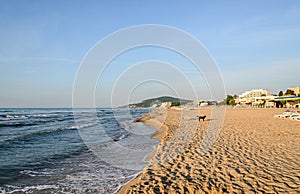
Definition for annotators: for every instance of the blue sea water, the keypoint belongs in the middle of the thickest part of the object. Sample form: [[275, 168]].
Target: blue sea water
[[44, 150]]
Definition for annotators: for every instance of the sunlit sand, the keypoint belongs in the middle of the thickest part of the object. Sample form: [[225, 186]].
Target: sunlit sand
[[254, 152]]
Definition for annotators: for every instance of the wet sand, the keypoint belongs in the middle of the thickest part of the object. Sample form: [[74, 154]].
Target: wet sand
[[253, 153]]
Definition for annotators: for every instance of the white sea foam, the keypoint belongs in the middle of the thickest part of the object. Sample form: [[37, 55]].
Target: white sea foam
[[62, 171], [15, 116], [27, 189], [81, 126], [127, 153], [33, 173]]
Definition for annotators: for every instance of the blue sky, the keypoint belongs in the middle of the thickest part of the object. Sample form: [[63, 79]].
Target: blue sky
[[256, 44]]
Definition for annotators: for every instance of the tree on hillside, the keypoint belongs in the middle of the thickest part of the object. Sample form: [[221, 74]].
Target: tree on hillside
[[230, 100], [175, 104], [289, 92], [280, 93]]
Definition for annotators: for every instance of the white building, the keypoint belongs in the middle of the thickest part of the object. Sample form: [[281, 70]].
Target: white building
[[166, 104], [255, 93], [257, 97], [203, 104], [296, 90]]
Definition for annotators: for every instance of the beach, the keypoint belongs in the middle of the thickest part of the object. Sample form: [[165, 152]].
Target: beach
[[253, 152]]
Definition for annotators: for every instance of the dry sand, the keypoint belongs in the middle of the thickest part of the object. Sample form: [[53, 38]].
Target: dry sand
[[253, 153]]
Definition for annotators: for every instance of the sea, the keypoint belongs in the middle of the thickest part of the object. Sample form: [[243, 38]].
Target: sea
[[51, 150]]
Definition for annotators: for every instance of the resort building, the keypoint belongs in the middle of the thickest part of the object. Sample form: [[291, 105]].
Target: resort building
[[264, 101], [287, 101], [296, 90], [257, 98], [166, 104], [255, 93]]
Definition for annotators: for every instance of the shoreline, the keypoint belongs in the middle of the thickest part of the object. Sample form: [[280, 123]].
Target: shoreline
[[161, 131], [249, 155]]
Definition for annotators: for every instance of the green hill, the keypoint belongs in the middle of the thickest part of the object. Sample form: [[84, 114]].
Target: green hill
[[159, 100]]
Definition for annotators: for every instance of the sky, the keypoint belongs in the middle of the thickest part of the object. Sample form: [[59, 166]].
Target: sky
[[255, 44]]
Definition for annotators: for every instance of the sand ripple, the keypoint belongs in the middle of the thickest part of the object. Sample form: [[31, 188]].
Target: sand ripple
[[254, 153]]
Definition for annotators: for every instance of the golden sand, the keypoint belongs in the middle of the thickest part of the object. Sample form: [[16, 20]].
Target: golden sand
[[253, 153]]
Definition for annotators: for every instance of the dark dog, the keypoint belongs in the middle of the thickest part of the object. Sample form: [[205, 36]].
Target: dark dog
[[202, 117]]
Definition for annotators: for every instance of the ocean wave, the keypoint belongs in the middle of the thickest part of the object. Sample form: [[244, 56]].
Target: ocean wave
[[31, 122], [121, 137], [25, 123], [41, 115], [42, 133], [14, 116], [27, 189], [53, 157], [81, 126], [34, 173], [5, 110], [17, 124]]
